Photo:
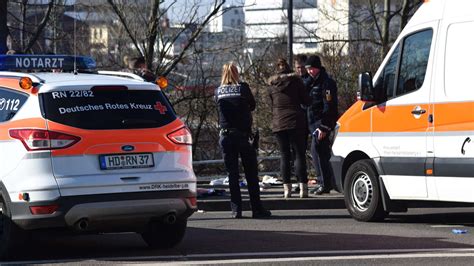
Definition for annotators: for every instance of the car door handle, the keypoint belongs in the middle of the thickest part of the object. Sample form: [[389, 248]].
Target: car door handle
[[418, 111]]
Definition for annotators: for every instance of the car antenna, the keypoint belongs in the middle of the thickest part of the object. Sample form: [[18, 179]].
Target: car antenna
[[75, 51]]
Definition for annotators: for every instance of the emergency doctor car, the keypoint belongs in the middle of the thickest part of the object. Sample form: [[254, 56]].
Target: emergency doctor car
[[409, 140], [90, 152]]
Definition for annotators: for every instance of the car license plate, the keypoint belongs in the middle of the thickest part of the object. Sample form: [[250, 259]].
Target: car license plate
[[125, 161]]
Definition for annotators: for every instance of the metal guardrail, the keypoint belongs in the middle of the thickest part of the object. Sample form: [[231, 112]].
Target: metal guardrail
[[221, 161], [261, 158]]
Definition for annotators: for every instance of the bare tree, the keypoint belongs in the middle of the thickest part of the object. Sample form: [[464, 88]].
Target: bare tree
[[29, 33], [145, 41]]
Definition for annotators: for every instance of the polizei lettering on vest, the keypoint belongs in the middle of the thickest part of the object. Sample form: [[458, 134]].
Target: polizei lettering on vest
[[38, 62], [228, 91]]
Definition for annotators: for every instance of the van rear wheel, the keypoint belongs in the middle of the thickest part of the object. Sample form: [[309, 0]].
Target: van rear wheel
[[362, 192], [160, 235]]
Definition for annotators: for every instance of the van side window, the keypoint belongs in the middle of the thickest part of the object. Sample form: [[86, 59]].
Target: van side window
[[386, 81], [10, 102], [414, 60]]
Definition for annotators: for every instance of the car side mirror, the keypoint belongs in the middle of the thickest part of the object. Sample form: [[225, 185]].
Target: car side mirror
[[366, 88]]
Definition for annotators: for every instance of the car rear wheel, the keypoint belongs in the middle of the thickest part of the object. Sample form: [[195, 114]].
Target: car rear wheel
[[362, 192], [9, 231], [161, 235]]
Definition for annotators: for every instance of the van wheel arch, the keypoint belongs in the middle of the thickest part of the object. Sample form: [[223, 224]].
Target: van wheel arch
[[348, 161]]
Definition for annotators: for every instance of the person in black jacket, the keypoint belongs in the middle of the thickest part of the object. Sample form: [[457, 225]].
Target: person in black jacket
[[322, 117], [300, 63], [235, 102], [287, 97]]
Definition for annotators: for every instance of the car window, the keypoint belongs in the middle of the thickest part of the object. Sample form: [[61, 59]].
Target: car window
[[386, 81], [414, 60], [10, 103], [108, 109]]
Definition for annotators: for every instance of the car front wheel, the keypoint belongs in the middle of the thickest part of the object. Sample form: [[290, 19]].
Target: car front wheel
[[362, 192]]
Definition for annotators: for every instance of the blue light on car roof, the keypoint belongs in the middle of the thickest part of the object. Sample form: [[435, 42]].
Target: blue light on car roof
[[46, 62]]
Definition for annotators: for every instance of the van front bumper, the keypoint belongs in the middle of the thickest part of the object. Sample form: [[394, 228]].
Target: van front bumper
[[107, 212]]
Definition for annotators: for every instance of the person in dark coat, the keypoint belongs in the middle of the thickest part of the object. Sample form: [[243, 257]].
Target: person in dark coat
[[288, 96], [322, 117], [235, 102], [300, 66]]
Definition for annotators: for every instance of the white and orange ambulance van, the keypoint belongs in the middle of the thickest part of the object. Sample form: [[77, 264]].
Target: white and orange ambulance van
[[90, 152], [409, 139]]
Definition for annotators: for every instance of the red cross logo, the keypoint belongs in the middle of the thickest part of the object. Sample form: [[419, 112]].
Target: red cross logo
[[160, 107]]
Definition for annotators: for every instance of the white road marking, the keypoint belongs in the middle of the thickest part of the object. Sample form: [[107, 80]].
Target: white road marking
[[446, 225], [264, 256], [331, 258]]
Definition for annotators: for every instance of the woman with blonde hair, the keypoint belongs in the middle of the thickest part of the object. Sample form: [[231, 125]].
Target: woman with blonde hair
[[235, 102]]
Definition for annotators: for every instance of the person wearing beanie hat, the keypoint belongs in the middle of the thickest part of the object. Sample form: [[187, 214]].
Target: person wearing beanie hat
[[322, 116], [313, 61]]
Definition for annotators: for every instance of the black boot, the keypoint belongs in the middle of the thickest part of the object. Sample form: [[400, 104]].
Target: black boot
[[236, 211], [261, 213], [236, 214]]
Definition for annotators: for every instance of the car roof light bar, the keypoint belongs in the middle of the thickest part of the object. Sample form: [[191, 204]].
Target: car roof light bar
[[33, 63]]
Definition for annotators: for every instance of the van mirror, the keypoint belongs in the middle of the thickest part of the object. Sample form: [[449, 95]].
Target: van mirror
[[366, 88]]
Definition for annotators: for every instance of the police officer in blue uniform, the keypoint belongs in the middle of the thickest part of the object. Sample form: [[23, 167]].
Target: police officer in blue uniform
[[322, 118], [235, 103]]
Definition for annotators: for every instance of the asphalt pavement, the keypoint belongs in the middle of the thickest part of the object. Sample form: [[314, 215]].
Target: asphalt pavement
[[217, 198]]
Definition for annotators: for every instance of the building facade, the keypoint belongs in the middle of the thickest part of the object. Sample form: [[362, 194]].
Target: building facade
[[267, 20]]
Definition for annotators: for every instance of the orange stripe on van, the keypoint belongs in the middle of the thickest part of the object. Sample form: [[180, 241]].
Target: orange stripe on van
[[399, 118], [454, 116], [355, 119], [111, 141]]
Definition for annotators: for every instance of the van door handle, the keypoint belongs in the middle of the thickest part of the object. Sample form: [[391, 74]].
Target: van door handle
[[418, 111]]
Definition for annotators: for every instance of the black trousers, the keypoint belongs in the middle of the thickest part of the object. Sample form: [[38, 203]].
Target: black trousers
[[296, 139], [323, 148], [232, 146]]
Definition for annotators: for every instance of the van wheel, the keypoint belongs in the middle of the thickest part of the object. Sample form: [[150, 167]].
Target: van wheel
[[9, 231], [362, 192], [160, 235]]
